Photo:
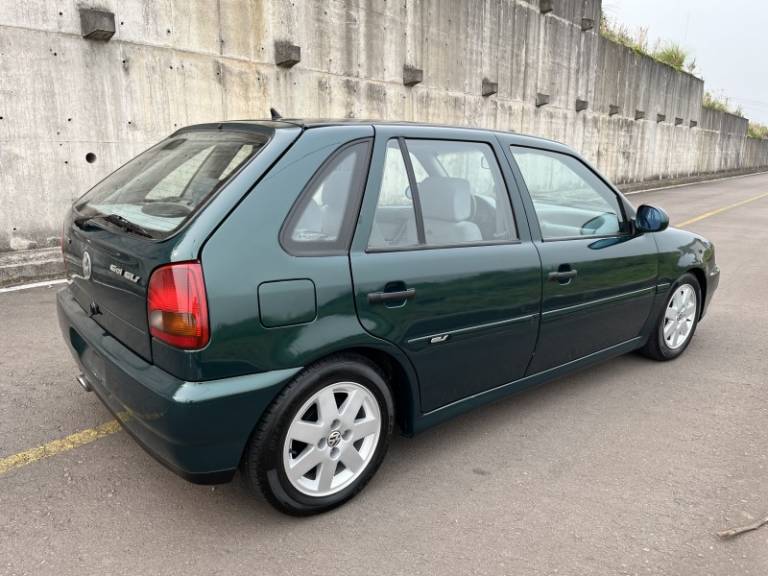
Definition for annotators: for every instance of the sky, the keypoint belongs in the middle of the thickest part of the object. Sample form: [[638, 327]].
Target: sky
[[728, 39]]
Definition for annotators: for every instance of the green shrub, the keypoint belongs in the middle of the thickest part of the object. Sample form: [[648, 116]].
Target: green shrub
[[672, 54], [669, 53], [620, 34], [757, 130], [720, 104]]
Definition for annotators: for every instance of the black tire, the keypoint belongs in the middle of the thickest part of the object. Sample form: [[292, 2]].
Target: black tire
[[262, 465], [657, 347]]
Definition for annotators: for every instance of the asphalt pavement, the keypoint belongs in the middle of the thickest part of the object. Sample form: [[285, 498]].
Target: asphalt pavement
[[630, 467]]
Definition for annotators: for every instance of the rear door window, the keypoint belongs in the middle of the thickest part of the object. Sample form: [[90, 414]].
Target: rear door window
[[460, 197], [161, 188], [394, 223]]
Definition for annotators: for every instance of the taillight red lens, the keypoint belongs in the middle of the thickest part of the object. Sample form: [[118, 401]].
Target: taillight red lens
[[177, 305]]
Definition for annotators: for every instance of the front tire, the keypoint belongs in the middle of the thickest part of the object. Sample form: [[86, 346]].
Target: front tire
[[677, 322], [323, 438]]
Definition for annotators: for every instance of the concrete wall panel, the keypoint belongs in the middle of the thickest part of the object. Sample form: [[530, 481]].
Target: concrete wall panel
[[177, 62]]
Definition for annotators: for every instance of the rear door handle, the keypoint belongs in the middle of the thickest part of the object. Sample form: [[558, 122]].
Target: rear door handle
[[563, 276], [377, 297], [567, 275]]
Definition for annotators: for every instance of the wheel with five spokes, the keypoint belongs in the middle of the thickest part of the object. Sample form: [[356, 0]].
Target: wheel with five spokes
[[323, 438], [677, 322]]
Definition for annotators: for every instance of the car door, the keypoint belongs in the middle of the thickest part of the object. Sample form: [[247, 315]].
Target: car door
[[599, 278], [442, 266]]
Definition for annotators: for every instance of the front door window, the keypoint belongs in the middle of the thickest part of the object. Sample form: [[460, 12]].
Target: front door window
[[569, 199]]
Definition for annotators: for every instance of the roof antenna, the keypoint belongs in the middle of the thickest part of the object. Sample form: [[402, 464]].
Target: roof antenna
[[275, 114]]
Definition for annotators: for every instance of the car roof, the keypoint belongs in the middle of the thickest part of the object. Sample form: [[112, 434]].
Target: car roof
[[311, 123]]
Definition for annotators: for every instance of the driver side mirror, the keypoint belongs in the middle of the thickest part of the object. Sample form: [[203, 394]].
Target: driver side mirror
[[651, 219]]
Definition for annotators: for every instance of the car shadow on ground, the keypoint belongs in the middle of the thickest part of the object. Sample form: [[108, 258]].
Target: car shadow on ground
[[409, 459]]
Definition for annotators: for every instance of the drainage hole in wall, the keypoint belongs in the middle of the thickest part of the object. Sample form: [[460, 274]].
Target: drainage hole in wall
[[90, 157]]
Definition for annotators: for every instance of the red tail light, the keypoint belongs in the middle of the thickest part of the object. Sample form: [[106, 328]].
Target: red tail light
[[177, 305]]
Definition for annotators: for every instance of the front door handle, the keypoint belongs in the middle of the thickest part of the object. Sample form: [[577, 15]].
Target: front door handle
[[563, 275], [377, 297]]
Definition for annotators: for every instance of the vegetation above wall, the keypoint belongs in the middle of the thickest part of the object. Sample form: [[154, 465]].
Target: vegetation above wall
[[674, 55], [757, 130], [666, 52], [720, 104]]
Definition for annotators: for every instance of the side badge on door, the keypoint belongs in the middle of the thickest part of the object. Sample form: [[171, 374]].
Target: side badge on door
[[86, 265], [438, 339]]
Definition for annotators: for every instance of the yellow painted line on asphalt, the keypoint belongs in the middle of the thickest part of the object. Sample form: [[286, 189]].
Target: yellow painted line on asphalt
[[720, 210], [58, 446]]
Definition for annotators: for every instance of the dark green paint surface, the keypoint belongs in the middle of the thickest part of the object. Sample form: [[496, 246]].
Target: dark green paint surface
[[286, 302], [500, 324]]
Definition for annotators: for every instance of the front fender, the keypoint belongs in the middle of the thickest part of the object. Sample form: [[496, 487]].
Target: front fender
[[681, 251]]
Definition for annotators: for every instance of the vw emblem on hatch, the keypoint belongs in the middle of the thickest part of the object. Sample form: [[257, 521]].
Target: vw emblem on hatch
[[86, 265]]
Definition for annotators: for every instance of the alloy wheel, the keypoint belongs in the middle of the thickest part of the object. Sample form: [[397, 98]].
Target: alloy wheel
[[679, 317], [332, 439]]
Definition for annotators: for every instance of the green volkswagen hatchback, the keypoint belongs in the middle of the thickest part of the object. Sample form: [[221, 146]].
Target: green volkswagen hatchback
[[276, 296]]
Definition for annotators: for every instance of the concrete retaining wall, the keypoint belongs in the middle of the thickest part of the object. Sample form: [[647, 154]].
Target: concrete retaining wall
[[176, 62]]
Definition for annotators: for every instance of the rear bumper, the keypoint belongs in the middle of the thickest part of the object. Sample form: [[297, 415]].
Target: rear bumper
[[196, 429]]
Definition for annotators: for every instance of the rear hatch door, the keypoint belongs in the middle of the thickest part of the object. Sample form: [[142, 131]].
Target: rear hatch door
[[108, 271], [125, 227]]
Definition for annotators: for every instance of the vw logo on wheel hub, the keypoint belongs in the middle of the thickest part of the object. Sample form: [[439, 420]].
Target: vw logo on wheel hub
[[334, 438]]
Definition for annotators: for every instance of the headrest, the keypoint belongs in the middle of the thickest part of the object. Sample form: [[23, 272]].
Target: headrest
[[335, 189], [445, 198]]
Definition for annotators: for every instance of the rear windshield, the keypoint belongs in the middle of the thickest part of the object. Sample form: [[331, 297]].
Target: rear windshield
[[161, 188]]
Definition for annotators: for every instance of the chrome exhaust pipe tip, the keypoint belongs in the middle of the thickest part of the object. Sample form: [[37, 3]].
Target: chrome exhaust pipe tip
[[84, 383]]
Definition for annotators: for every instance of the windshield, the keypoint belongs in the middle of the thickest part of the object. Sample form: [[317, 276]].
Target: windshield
[[160, 189]]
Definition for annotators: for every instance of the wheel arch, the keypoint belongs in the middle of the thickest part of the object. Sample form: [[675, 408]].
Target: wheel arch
[[401, 379], [701, 276]]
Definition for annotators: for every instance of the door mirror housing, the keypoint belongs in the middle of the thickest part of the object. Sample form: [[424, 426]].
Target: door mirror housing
[[651, 219]]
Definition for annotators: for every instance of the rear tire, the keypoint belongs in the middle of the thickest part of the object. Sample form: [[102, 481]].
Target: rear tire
[[677, 322], [323, 438]]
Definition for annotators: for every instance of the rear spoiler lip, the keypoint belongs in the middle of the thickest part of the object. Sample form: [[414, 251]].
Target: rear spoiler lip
[[264, 126]]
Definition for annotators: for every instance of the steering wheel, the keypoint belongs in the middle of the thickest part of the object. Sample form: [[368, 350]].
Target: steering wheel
[[593, 226]]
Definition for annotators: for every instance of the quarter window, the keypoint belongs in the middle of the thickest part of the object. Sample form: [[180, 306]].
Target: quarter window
[[323, 219], [569, 199]]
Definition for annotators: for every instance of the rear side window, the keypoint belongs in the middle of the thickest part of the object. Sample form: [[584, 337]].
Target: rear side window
[[322, 220], [394, 223], [459, 196], [161, 188]]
